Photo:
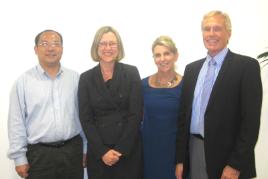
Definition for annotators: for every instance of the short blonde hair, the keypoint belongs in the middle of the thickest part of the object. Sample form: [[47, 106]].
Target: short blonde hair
[[97, 38], [167, 42], [227, 20]]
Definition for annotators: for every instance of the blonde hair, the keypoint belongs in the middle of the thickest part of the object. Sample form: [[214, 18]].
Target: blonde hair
[[167, 42], [97, 38], [227, 20]]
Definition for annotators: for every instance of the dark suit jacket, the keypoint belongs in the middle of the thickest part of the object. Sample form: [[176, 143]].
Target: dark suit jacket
[[105, 110], [232, 117]]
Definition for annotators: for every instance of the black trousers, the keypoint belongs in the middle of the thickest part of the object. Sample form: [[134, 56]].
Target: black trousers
[[56, 162]]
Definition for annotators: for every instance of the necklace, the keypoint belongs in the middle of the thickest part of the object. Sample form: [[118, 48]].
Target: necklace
[[167, 84]]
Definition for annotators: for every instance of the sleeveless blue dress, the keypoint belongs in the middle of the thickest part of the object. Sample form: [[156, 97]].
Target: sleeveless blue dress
[[159, 128]]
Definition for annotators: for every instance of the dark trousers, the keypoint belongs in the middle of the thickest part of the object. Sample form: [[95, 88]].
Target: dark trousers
[[61, 162]]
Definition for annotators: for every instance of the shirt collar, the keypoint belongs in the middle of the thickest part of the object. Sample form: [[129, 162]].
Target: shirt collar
[[41, 71], [219, 58]]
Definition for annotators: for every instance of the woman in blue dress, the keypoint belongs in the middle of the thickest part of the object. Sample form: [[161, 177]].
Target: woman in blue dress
[[161, 105]]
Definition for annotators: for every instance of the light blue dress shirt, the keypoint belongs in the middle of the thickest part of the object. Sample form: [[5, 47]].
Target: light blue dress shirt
[[196, 121], [42, 110]]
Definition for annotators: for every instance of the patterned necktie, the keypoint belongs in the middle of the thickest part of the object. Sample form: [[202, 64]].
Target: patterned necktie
[[207, 87]]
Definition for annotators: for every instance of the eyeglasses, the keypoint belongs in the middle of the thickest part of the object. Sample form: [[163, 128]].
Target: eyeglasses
[[212, 28], [51, 44], [110, 44]]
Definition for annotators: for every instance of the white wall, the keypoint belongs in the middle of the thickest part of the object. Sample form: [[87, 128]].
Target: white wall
[[139, 22]]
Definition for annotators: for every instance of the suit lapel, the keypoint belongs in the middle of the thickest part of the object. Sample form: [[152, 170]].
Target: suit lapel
[[117, 78], [191, 76], [221, 77], [194, 76], [102, 88]]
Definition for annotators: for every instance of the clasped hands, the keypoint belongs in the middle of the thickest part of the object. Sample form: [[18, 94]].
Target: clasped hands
[[111, 157]]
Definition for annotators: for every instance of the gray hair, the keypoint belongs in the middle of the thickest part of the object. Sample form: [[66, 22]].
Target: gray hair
[[227, 20]]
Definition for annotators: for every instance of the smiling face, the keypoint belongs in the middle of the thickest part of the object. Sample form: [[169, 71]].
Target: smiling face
[[49, 49], [215, 34], [108, 47], [164, 58]]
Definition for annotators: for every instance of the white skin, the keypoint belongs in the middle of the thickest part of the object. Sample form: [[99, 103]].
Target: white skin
[[164, 60], [108, 48], [215, 34], [108, 51], [215, 38]]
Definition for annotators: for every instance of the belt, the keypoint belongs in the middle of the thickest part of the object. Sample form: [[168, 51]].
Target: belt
[[57, 144], [198, 136]]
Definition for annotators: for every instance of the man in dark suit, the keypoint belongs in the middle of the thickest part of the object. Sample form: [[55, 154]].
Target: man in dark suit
[[220, 109]]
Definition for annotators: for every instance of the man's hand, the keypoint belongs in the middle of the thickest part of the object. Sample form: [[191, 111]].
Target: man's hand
[[111, 157], [22, 170], [230, 173], [179, 170]]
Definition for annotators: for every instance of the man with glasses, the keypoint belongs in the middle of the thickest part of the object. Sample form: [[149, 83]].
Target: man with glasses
[[220, 108], [43, 124]]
